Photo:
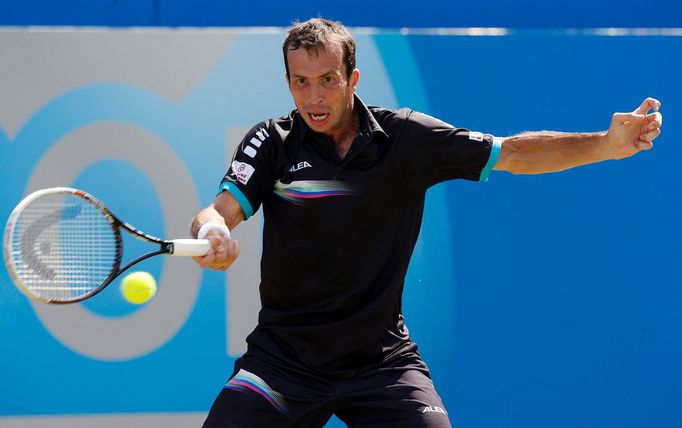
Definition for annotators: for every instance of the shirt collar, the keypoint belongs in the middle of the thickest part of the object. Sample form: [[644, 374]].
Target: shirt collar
[[368, 124]]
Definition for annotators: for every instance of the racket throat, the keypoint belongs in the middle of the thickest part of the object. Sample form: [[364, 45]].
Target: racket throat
[[165, 249]]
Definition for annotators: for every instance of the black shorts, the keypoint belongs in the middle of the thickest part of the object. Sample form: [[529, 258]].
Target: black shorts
[[395, 395]]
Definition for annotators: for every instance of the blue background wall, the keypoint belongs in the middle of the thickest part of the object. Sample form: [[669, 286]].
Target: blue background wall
[[565, 288], [568, 290], [392, 14]]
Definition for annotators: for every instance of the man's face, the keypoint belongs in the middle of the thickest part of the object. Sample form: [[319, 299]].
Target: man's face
[[322, 92]]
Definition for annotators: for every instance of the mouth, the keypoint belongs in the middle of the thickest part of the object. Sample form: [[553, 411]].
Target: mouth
[[317, 118]]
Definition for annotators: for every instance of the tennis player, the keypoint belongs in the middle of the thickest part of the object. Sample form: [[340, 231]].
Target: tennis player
[[342, 187]]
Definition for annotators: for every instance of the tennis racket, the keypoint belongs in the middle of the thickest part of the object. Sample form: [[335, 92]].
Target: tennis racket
[[62, 245]]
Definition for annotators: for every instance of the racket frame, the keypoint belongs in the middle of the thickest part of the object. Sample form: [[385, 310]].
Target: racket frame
[[165, 246]]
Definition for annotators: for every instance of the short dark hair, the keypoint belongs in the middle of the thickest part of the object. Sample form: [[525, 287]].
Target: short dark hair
[[314, 33]]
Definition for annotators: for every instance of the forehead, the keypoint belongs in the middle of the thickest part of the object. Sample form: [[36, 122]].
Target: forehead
[[313, 62]]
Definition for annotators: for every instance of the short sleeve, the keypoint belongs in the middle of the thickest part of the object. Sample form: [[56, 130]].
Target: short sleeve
[[445, 152], [250, 174]]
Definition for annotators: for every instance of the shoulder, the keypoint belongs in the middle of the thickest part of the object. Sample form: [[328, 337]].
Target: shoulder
[[283, 124], [388, 115], [270, 129], [270, 134], [285, 128], [399, 120]]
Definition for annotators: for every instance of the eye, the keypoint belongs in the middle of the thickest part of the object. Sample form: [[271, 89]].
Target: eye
[[300, 81], [328, 80]]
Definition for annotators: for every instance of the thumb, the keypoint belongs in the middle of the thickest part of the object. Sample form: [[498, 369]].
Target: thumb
[[216, 242], [648, 104], [644, 145]]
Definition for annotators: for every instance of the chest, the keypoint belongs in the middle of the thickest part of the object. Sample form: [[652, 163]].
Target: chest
[[314, 175], [321, 207], [314, 186]]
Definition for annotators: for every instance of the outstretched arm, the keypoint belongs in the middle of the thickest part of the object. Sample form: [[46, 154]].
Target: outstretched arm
[[547, 151], [224, 211]]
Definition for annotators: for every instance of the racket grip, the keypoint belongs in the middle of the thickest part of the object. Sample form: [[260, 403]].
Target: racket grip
[[190, 247]]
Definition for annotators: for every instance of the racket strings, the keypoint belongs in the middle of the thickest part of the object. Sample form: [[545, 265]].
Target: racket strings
[[63, 247]]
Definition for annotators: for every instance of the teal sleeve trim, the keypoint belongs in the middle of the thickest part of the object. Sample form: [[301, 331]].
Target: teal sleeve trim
[[492, 159], [239, 196]]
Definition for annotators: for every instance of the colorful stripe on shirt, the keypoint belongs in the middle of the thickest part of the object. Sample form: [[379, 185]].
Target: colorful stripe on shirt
[[298, 192]]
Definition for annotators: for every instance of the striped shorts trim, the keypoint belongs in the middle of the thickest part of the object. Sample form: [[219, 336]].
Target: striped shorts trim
[[246, 381]]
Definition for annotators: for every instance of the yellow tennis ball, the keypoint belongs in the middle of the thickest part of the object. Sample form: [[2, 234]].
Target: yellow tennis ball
[[138, 287]]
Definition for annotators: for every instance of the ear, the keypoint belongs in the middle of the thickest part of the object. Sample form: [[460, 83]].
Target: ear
[[355, 78]]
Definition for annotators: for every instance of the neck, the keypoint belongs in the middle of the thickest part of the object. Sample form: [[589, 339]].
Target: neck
[[343, 138]]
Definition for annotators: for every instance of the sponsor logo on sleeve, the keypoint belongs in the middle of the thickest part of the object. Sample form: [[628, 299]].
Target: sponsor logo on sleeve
[[476, 136], [241, 171]]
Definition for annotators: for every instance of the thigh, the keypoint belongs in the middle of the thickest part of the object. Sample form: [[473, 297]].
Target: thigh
[[260, 397], [398, 399]]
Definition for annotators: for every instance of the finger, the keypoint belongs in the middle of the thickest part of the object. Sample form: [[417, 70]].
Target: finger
[[207, 260], [648, 104], [217, 243], [655, 120], [223, 259], [650, 136], [655, 104], [232, 250], [644, 145]]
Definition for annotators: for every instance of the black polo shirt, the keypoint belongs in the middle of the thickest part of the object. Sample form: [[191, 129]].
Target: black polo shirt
[[339, 233]]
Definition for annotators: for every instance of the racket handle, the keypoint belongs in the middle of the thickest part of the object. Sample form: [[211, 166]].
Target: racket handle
[[190, 247]]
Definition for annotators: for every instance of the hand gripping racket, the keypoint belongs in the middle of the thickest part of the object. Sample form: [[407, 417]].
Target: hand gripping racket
[[62, 245]]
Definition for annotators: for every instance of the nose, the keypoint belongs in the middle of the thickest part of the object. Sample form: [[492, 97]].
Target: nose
[[315, 94]]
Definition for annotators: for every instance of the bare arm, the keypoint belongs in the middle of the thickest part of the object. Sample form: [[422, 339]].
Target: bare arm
[[547, 151], [224, 210]]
